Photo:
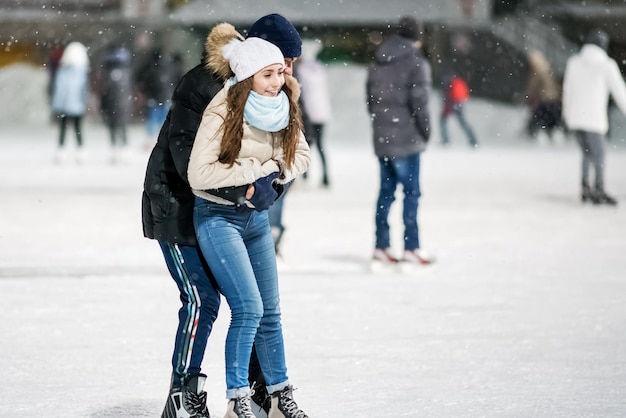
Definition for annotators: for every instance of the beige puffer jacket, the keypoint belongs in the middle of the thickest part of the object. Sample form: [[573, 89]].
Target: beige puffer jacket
[[261, 153]]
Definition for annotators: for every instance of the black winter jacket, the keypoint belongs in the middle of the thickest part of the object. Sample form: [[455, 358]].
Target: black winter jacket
[[167, 202], [398, 87]]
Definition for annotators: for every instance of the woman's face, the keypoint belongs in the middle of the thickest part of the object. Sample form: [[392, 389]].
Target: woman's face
[[269, 80]]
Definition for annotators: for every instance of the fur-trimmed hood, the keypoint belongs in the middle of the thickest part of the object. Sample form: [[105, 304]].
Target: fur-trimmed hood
[[219, 36]]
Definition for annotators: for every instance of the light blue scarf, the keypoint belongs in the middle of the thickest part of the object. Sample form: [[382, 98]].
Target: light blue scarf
[[267, 113]]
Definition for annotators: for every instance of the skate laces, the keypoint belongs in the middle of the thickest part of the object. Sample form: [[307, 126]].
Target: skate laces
[[242, 407], [196, 404], [259, 396], [288, 405]]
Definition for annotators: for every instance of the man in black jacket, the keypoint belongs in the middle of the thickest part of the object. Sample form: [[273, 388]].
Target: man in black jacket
[[167, 213]]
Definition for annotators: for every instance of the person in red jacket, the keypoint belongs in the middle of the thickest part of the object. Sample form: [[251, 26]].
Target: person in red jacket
[[455, 93]]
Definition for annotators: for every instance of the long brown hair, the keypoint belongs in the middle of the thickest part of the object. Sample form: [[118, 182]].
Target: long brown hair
[[233, 124]]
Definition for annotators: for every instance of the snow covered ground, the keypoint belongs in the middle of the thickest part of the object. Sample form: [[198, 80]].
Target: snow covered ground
[[522, 316]]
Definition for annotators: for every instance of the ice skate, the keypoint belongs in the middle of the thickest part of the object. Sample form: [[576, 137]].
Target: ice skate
[[383, 262], [589, 195], [81, 155], [414, 260], [605, 199], [239, 408], [60, 156], [418, 256], [188, 401], [260, 400], [116, 156], [284, 406]]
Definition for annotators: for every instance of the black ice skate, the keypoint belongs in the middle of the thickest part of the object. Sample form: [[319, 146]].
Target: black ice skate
[[261, 400], [284, 406], [589, 195], [188, 401], [605, 199]]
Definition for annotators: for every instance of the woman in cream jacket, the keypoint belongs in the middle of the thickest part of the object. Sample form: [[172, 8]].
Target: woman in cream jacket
[[249, 146]]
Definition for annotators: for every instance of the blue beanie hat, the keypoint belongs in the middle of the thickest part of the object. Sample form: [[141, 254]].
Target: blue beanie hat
[[279, 31]]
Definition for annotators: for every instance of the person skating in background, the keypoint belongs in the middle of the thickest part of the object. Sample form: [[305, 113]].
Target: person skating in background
[[398, 86], [167, 214], [69, 96], [156, 81], [314, 100], [116, 97], [543, 96], [54, 61], [455, 94], [590, 78], [249, 145]]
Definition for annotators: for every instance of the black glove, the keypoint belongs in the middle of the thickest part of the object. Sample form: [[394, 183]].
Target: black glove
[[264, 192], [281, 188]]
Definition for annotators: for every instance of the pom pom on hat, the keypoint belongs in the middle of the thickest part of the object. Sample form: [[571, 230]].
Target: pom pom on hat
[[250, 56], [279, 31]]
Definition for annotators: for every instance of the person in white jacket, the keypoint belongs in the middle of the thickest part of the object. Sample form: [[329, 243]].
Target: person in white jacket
[[315, 99], [69, 96], [590, 78], [249, 146]]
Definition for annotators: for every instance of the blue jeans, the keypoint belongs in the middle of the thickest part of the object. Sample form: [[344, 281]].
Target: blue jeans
[[457, 109], [156, 116], [238, 246], [405, 171], [200, 305], [593, 155]]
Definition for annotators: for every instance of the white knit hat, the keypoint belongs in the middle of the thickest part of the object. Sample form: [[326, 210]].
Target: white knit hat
[[250, 56]]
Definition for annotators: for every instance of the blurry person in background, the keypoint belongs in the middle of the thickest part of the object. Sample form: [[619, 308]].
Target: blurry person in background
[[543, 96], [591, 77], [69, 96], [156, 82], [116, 97], [54, 60], [314, 99], [455, 94], [398, 87], [167, 215]]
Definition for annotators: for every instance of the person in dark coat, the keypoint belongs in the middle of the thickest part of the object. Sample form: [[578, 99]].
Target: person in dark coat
[[156, 82], [116, 95], [167, 213], [398, 87]]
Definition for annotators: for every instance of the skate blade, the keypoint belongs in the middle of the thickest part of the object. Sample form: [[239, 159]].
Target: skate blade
[[410, 267], [379, 267]]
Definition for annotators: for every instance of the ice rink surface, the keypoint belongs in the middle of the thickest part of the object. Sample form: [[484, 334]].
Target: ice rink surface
[[523, 315]]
